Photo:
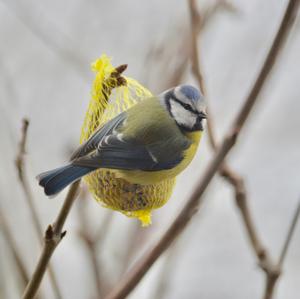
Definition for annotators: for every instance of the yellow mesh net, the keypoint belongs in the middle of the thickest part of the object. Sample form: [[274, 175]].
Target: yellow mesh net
[[108, 100]]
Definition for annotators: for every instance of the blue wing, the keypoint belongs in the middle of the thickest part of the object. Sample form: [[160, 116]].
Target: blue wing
[[92, 143]]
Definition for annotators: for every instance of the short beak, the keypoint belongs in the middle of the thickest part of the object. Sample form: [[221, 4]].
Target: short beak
[[202, 115]]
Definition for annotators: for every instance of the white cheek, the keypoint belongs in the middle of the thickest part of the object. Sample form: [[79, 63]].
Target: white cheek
[[182, 116]]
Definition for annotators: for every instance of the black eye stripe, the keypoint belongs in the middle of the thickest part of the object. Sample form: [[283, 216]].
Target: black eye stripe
[[185, 106]]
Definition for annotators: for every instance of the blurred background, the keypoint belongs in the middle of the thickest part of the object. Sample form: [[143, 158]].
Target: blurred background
[[46, 48]]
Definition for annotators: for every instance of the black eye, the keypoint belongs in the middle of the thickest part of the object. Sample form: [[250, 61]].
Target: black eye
[[186, 106]]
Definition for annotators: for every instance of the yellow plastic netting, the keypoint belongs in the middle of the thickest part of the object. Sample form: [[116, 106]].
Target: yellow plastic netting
[[106, 102]]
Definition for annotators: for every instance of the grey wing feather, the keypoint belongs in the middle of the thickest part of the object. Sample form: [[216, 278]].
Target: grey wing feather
[[117, 154], [92, 143]]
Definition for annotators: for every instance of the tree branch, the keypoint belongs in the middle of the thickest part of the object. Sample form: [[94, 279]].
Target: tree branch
[[274, 274], [53, 236], [225, 171], [55, 233], [133, 277], [20, 165], [267, 265], [92, 240], [289, 235]]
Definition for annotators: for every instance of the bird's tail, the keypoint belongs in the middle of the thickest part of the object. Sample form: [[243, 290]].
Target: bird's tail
[[53, 181]]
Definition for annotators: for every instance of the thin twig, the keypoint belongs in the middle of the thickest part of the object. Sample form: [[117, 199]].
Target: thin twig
[[133, 277], [195, 21], [54, 233], [103, 230], [92, 241], [136, 239], [14, 249], [158, 58], [181, 49], [289, 235], [271, 270], [53, 236], [218, 6], [273, 276], [20, 165], [92, 253], [267, 265], [229, 174]]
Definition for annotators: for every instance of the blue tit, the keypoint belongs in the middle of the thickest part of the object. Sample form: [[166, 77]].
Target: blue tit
[[151, 142]]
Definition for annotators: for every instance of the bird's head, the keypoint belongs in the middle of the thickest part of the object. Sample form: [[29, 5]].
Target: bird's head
[[186, 105]]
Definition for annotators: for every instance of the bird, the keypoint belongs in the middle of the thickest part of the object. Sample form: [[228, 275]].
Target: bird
[[148, 144]]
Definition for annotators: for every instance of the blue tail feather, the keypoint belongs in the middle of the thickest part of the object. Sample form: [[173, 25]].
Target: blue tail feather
[[55, 180]]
